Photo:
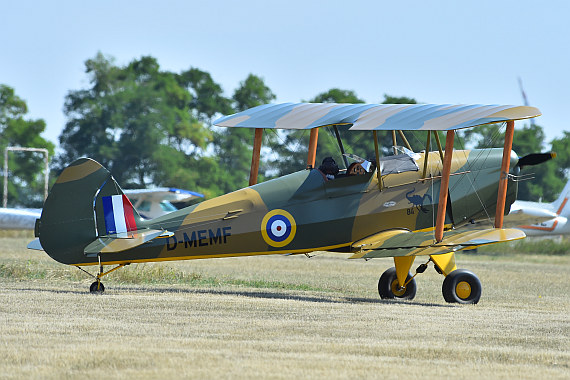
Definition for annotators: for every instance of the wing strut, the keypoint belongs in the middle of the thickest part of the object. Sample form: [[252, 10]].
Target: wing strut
[[443, 187], [436, 134], [313, 139], [405, 140], [255, 157], [426, 155], [503, 180], [394, 143], [378, 166], [340, 145]]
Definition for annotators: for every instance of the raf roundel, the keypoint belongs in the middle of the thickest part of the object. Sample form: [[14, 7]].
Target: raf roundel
[[278, 228]]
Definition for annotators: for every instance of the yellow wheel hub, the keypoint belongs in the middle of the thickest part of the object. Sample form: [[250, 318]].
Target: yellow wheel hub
[[396, 290], [463, 290]]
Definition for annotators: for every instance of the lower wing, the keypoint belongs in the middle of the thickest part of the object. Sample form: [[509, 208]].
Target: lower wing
[[400, 242]]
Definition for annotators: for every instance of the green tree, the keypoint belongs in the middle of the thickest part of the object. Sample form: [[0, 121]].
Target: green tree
[[207, 97], [233, 146], [141, 123], [390, 99], [252, 92], [26, 179], [561, 146], [336, 95]]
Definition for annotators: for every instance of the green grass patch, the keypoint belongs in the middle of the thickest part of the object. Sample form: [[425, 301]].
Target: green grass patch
[[143, 274], [32, 270], [163, 274], [21, 271], [11, 234]]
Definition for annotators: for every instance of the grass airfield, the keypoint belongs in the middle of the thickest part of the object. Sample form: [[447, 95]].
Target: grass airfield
[[280, 317]]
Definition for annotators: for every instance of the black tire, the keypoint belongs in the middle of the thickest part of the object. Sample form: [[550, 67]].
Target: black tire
[[97, 287], [388, 286], [461, 286]]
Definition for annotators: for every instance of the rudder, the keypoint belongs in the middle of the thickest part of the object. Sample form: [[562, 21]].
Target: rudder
[[84, 203]]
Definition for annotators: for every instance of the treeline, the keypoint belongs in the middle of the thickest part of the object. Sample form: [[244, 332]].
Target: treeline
[[152, 127]]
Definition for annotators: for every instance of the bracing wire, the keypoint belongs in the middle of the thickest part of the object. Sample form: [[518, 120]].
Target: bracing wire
[[487, 144]]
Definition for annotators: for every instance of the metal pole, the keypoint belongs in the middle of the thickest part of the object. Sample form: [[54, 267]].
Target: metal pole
[[5, 197], [46, 177]]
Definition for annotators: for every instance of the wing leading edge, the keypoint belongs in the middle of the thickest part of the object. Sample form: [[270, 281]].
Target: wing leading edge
[[375, 116]]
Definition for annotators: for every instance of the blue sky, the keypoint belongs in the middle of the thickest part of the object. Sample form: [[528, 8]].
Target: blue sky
[[436, 52]]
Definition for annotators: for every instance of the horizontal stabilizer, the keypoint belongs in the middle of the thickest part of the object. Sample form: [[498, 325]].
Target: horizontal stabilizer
[[121, 242], [421, 243]]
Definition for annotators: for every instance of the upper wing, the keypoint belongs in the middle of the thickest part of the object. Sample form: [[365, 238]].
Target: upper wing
[[401, 242], [375, 116]]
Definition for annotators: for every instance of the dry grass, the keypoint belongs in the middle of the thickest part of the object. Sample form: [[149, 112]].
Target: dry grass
[[279, 317]]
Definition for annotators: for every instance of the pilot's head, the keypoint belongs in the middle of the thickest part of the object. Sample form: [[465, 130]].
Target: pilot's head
[[329, 166]]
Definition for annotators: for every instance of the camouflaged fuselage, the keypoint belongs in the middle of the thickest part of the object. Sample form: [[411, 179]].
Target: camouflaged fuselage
[[297, 213]]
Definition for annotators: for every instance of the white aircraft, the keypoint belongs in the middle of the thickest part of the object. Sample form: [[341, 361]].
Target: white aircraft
[[149, 202], [19, 218], [540, 219]]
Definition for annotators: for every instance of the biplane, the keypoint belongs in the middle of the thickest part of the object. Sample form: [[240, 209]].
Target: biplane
[[404, 205]]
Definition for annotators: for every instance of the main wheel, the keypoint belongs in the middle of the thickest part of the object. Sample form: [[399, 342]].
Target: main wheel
[[97, 287], [461, 286], [388, 286]]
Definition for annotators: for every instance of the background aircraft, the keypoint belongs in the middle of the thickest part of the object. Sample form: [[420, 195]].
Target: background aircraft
[[19, 218], [542, 219], [150, 203]]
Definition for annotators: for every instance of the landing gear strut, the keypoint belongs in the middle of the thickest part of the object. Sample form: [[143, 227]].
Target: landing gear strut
[[97, 287]]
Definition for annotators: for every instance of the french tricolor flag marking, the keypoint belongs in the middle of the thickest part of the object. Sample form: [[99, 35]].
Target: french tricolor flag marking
[[119, 214]]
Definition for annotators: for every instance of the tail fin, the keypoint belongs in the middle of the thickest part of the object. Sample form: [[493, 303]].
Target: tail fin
[[84, 203], [559, 204]]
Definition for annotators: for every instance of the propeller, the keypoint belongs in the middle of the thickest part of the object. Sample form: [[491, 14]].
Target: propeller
[[535, 159]]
